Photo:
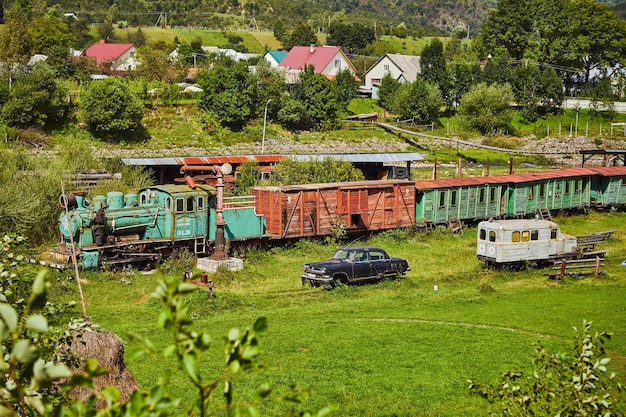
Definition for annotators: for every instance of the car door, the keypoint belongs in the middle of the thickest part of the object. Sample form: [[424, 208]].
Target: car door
[[361, 266], [380, 263]]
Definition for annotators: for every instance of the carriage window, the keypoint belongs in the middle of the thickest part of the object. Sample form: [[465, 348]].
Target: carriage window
[[525, 236], [481, 196], [482, 234], [552, 233], [530, 192], [442, 199], [200, 203], [515, 237], [453, 198], [566, 187], [492, 236], [190, 204], [577, 186], [492, 195], [168, 204], [180, 205], [534, 235], [542, 190]]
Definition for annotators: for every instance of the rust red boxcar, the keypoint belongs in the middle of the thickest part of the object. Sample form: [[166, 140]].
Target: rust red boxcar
[[314, 209]]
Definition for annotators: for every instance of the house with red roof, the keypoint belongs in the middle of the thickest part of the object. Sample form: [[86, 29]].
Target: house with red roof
[[113, 56], [326, 60]]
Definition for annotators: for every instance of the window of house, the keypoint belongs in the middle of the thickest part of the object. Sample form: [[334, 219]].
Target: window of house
[[386, 67], [525, 236], [534, 235], [338, 63], [515, 236], [492, 236]]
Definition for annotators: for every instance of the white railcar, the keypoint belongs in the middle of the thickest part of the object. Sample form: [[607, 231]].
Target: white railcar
[[515, 242]]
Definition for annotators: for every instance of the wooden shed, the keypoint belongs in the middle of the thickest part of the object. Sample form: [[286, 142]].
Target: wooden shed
[[314, 209]]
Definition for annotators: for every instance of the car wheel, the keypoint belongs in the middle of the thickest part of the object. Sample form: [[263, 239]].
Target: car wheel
[[340, 279]]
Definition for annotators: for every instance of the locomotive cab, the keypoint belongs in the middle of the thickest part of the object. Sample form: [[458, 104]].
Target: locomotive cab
[[515, 242]]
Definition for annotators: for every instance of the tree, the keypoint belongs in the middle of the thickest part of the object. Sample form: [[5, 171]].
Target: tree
[[109, 108], [346, 85], [419, 101], [498, 68], [302, 35], [509, 26], [597, 37], [15, 42], [47, 32], [137, 38], [561, 384], [433, 66], [581, 34], [319, 104], [387, 90], [326, 170], [36, 99], [487, 108], [353, 38], [535, 89], [463, 76], [105, 30], [156, 65], [230, 93]]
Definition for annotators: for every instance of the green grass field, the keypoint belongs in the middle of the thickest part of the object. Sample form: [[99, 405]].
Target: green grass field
[[396, 348]]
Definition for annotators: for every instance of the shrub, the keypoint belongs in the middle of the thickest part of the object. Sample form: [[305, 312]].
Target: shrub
[[487, 108], [561, 384], [109, 107]]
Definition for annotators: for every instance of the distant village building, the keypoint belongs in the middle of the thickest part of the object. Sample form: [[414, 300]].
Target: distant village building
[[404, 68], [113, 56], [275, 57], [326, 60]]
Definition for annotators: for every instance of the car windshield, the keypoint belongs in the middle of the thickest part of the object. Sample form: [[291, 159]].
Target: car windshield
[[344, 255]]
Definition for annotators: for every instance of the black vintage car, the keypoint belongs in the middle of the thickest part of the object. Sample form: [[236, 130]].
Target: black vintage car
[[354, 264]]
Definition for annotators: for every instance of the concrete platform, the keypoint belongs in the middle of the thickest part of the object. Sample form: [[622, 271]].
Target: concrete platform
[[211, 265]]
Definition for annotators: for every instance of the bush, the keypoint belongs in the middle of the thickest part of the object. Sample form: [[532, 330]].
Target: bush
[[109, 107], [561, 384], [36, 99], [487, 108]]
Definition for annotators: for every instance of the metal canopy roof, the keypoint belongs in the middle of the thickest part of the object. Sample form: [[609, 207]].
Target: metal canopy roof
[[238, 159]]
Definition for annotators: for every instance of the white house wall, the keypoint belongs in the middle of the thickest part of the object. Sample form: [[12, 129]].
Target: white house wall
[[378, 71], [330, 68]]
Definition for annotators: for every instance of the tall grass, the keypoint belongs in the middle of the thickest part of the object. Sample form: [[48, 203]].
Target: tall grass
[[393, 348]]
